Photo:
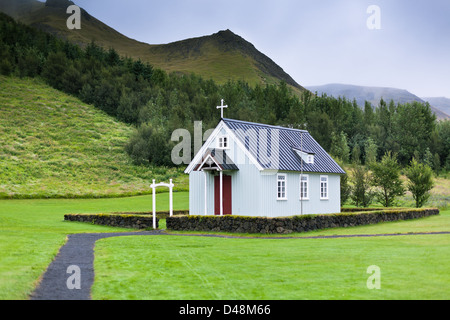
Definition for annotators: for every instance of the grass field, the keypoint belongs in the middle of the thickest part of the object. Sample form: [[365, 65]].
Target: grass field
[[195, 268], [32, 231], [415, 267], [165, 267], [53, 145]]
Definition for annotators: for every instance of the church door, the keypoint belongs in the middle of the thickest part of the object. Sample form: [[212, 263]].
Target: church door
[[226, 195]]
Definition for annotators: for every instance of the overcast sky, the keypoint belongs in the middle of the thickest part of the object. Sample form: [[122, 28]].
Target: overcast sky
[[316, 42]]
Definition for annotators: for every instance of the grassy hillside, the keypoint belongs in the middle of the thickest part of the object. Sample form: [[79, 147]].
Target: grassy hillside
[[222, 56], [53, 145]]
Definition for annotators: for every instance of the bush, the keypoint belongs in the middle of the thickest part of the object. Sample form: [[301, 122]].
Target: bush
[[150, 145], [6, 68], [420, 181], [386, 177], [361, 193]]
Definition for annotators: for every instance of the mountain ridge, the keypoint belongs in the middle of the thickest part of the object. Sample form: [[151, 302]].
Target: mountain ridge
[[221, 56], [373, 95], [443, 103]]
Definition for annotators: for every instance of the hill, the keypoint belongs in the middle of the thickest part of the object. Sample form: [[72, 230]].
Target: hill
[[441, 103], [372, 95], [222, 56], [53, 145]]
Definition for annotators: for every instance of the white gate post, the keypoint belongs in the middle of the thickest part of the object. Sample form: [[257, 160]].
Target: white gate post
[[154, 204], [154, 186], [171, 197]]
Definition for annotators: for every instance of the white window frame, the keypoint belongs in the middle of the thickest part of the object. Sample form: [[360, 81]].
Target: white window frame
[[280, 192], [311, 159], [307, 186], [324, 186], [223, 142]]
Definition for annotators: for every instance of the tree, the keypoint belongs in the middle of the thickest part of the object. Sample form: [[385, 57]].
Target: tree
[[386, 177], [361, 193], [339, 146], [420, 181], [356, 154], [345, 186], [428, 158], [150, 145], [443, 131], [319, 124], [413, 126], [6, 68], [368, 114], [371, 149], [54, 68], [437, 163]]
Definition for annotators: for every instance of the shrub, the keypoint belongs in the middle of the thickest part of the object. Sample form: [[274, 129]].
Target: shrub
[[420, 181], [386, 176], [361, 193]]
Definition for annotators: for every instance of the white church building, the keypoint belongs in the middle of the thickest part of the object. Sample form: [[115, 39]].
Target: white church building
[[252, 169]]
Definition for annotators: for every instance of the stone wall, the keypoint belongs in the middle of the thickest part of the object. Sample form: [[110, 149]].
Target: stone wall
[[240, 224], [133, 221]]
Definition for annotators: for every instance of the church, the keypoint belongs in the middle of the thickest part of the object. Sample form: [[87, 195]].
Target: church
[[252, 169]]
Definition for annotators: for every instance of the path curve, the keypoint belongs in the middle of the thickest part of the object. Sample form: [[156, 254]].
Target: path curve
[[79, 251]]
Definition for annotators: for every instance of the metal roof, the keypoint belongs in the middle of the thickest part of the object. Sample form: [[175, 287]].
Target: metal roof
[[273, 147]]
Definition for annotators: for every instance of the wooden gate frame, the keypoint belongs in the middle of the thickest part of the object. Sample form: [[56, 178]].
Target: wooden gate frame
[[162, 184]]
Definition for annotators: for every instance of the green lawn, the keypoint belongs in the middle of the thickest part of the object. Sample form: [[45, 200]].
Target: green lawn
[[412, 266], [32, 231], [191, 268], [176, 267]]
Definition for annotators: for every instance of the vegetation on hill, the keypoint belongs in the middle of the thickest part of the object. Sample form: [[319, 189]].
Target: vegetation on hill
[[54, 145], [221, 56], [156, 102]]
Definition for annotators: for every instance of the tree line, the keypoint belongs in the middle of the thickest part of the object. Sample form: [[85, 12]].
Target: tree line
[[157, 103]]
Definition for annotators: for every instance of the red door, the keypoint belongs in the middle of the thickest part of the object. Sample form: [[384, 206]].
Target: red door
[[226, 195]]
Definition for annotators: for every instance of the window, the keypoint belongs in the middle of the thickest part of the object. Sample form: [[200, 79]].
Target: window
[[323, 187], [281, 187], [222, 142], [304, 184], [307, 157]]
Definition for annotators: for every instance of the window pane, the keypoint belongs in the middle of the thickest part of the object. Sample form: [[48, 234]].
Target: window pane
[[281, 183]]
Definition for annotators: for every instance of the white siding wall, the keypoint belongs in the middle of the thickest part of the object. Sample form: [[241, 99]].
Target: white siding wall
[[293, 206]]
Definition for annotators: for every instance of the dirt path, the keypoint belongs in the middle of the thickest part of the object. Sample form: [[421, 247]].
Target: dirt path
[[79, 251]]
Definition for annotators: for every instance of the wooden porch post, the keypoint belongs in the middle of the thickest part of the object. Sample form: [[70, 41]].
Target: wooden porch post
[[206, 193], [221, 193]]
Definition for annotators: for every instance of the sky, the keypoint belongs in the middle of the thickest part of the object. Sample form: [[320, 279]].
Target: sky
[[316, 42]]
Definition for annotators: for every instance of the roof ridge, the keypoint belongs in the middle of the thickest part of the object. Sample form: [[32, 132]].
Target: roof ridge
[[265, 125]]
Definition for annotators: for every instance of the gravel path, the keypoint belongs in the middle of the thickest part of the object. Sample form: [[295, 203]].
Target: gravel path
[[79, 251]]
